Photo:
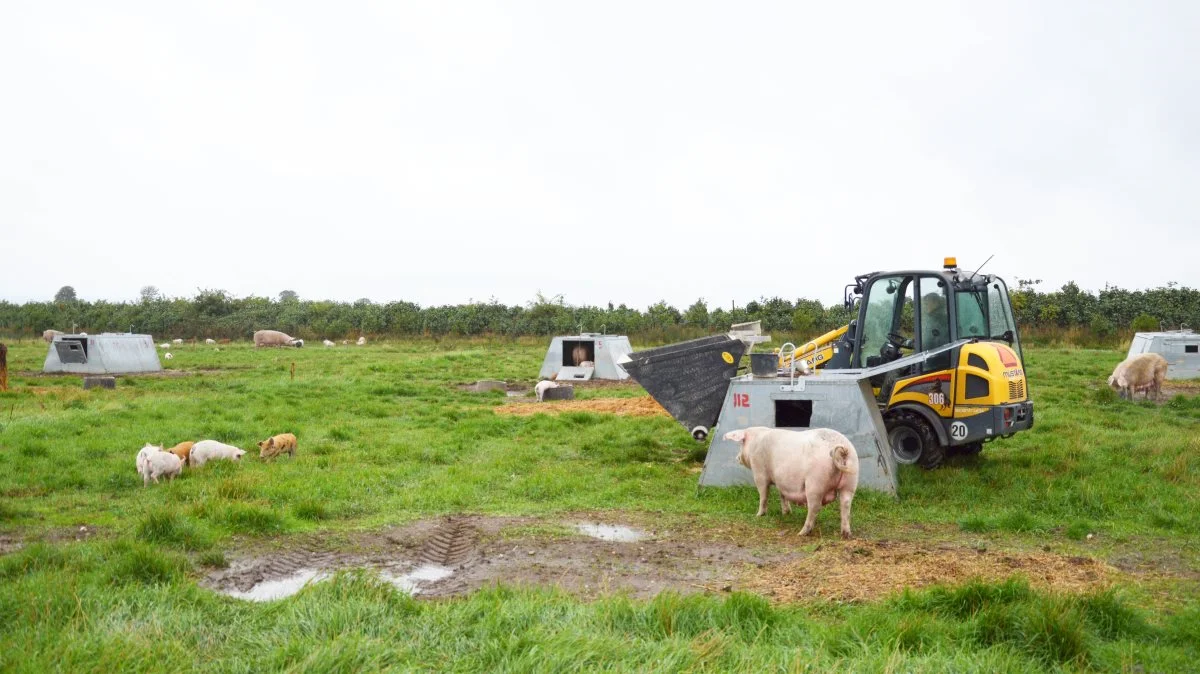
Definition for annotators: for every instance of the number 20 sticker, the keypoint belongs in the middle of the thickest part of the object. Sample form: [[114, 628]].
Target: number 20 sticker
[[958, 430]]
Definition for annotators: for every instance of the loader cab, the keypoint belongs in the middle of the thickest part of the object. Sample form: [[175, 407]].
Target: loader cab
[[902, 313]]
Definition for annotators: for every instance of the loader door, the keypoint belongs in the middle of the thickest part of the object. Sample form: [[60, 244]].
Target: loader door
[[885, 326]]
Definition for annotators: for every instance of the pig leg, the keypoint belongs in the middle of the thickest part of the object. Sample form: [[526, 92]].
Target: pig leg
[[764, 489], [145, 479], [814, 506], [844, 499], [784, 505]]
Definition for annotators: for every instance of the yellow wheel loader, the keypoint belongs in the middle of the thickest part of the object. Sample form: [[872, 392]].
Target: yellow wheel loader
[[932, 363], [957, 399]]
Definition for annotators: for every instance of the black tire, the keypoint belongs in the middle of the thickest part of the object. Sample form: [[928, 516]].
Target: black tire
[[912, 440]]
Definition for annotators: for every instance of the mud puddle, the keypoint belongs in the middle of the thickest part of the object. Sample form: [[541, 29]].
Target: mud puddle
[[611, 532], [270, 590]]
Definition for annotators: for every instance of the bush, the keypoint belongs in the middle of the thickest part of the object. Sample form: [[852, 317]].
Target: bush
[[1144, 323]]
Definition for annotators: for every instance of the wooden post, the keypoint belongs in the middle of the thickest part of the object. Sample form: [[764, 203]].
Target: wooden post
[[3, 367], [293, 370]]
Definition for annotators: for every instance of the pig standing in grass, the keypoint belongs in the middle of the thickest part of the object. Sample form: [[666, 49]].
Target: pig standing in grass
[[284, 443], [211, 450], [1143, 372], [808, 467], [182, 450], [541, 388], [153, 463]]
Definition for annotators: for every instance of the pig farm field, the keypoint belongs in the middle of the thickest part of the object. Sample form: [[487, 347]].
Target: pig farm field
[[424, 525]]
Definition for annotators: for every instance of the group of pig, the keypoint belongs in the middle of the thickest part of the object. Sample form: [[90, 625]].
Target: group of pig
[[1144, 372], [154, 462]]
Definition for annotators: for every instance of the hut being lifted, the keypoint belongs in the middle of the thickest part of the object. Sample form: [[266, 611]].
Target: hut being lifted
[[108, 353], [1180, 347], [588, 355]]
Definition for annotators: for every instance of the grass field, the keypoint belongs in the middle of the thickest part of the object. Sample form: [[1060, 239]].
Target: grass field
[[388, 438]]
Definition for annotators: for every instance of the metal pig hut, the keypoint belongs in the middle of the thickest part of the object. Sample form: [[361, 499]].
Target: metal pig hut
[[107, 353], [565, 354], [1180, 347]]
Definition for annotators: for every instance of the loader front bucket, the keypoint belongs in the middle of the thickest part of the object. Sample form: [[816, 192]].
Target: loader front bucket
[[690, 378]]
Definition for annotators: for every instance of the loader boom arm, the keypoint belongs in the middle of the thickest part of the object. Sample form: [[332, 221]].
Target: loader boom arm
[[816, 353]]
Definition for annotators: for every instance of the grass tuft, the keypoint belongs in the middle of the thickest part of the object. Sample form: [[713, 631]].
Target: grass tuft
[[171, 528]]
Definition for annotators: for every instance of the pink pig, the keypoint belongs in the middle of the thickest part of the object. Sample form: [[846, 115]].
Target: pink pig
[[808, 467]]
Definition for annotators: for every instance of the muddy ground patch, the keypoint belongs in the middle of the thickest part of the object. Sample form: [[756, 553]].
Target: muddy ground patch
[[457, 555], [590, 557]]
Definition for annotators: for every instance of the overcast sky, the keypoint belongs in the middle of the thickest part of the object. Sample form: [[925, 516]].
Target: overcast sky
[[441, 152]]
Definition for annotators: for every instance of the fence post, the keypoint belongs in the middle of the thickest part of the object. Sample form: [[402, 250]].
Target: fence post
[[3, 367]]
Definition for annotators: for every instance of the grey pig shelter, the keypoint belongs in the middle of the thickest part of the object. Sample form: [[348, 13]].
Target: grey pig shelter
[[1181, 349], [606, 352], [108, 353]]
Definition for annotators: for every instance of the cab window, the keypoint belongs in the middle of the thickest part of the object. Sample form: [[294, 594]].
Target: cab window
[[935, 322], [889, 309], [935, 316], [972, 316]]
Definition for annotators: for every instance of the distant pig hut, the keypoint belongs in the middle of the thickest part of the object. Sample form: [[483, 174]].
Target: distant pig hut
[[107, 353], [586, 356], [1181, 349]]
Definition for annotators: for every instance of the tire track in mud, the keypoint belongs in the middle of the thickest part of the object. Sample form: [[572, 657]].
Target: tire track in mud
[[450, 545]]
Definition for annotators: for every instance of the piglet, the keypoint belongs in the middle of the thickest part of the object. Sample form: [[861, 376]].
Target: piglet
[[211, 450], [154, 463], [541, 388], [809, 468]]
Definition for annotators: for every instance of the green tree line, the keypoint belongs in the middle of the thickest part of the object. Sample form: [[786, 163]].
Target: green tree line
[[217, 314]]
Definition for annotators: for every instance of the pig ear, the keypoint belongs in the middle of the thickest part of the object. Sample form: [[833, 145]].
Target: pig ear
[[736, 436]]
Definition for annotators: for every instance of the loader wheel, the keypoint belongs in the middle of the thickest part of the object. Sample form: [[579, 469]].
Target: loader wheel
[[913, 441]]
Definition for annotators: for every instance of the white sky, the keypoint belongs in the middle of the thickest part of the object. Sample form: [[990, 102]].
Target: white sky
[[625, 151]]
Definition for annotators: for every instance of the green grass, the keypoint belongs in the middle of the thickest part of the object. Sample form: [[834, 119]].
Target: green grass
[[114, 605], [386, 436]]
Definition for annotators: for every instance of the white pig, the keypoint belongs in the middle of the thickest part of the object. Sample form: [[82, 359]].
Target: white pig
[[153, 463], [541, 387], [810, 468], [211, 450], [162, 464], [210, 341], [143, 457], [328, 343]]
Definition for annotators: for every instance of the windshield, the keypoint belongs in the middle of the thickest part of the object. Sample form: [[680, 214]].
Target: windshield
[[984, 313]]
